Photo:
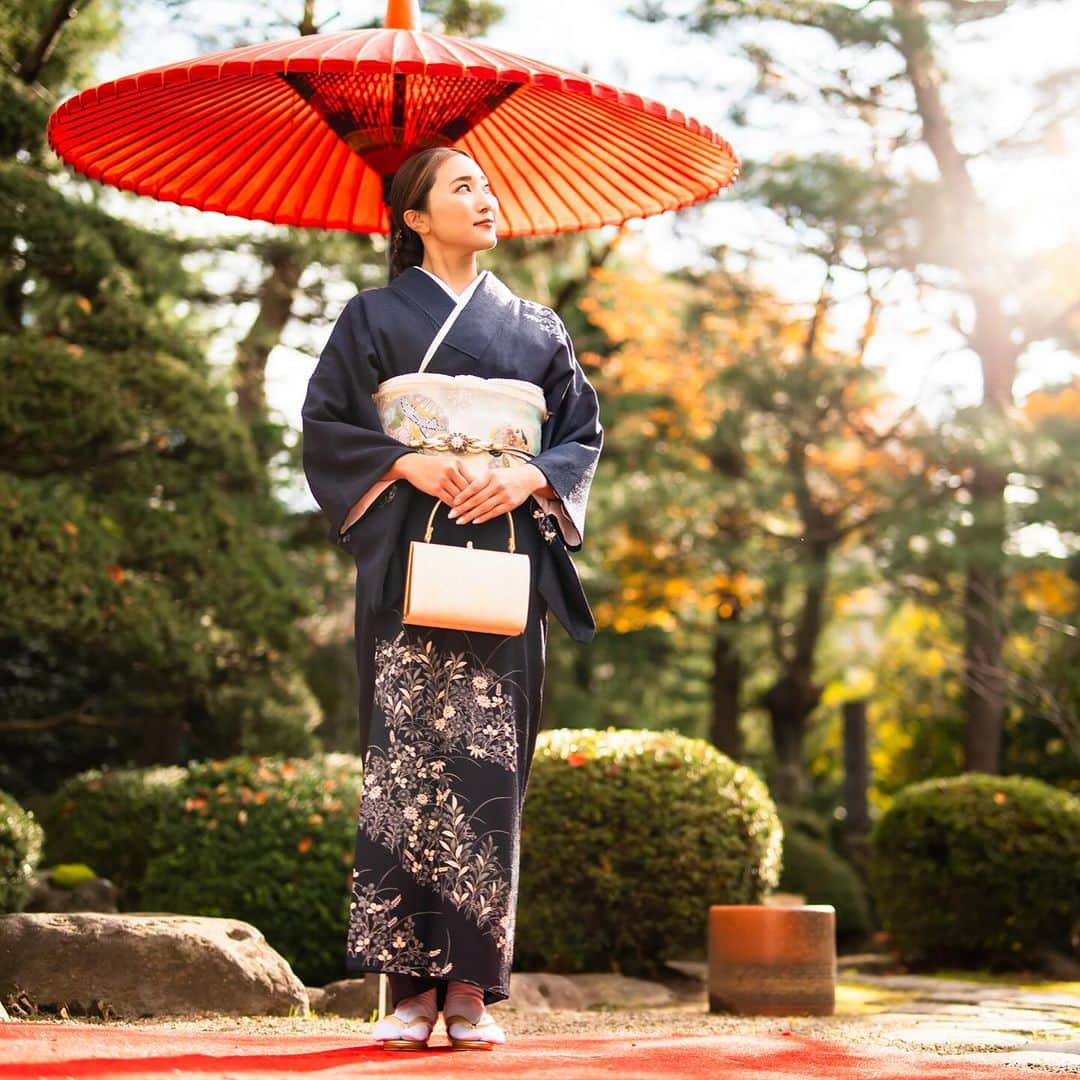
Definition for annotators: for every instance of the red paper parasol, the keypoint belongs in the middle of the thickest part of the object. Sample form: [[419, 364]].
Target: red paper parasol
[[309, 131]]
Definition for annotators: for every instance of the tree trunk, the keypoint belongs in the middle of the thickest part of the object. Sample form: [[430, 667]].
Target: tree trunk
[[163, 740], [726, 685], [984, 674], [790, 701], [856, 769], [855, 836], [275, 309], [991, 340]]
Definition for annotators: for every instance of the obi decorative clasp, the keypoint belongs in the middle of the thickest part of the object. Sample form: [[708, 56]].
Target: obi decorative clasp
[[463, 443]]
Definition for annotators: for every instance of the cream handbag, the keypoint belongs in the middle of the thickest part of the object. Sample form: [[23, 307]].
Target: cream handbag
[[466, 588]]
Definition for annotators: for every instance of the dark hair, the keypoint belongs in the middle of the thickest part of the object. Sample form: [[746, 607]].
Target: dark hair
[[409, 191]]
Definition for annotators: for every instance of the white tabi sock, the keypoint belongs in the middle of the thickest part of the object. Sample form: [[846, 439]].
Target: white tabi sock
[[412, 1008], [464, 999]]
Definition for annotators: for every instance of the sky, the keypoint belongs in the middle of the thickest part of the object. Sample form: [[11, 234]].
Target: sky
[[993, 66]]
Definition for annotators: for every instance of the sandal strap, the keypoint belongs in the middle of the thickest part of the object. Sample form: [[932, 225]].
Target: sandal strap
[[406, 1023], [485, 1021]]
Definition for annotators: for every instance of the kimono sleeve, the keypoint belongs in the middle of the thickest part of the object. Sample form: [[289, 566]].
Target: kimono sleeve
[[345, 450], [570, 442]]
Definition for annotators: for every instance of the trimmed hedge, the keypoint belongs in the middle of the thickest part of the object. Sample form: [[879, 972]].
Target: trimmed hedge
[[20, 853], [813, 868], [978, 870], [109, 820], [823, 877], [627, 837], [269, 840]]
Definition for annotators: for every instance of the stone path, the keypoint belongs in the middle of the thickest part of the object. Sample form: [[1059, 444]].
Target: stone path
[[1033, 1025]]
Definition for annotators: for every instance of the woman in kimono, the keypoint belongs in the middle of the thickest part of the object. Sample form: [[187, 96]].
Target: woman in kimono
[[448, 718]]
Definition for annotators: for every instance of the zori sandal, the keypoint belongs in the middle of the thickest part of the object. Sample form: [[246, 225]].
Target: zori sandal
[[397, 1034], [465, 1035]]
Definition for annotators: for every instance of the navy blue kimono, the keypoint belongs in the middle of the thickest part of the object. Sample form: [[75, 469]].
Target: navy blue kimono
[[448, 718]]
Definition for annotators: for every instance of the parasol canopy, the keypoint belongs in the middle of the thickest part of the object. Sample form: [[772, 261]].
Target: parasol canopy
[[309, 132]]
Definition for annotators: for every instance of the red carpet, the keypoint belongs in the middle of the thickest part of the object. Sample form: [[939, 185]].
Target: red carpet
[[32, 1050]]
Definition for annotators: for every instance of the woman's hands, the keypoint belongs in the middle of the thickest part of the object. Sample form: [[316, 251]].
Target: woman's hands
[[436, 475], [479, 499], [496, 492]]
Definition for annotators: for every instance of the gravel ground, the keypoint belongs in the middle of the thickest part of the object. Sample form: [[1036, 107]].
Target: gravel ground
[[867, 1017], [684, 1018]]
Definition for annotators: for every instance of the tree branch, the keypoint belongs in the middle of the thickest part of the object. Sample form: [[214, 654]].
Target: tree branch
[[31, 64], [78, 715]]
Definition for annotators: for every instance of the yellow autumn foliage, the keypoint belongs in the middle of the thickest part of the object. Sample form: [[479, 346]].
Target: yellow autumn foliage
[[1048, 591], [1060, 404]]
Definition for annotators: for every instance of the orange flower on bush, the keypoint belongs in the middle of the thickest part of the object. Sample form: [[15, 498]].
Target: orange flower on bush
[[575, 758], [304, 846]]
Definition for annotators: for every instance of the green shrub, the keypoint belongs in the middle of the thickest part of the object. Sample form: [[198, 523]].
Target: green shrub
[[627, 837], [823, 877], [809, 823], [977, 870], [268, 840], [108, 819], [20, 853]]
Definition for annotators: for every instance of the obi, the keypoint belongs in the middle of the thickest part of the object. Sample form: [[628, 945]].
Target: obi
[[497, 420]]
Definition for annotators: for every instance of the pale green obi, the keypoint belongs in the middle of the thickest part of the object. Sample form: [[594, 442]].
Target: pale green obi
[[464, 414]]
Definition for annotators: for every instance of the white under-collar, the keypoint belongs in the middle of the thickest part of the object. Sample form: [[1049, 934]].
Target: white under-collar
[[468, 290]]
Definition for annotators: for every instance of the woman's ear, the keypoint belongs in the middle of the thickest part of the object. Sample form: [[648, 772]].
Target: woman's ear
[[416, 220]]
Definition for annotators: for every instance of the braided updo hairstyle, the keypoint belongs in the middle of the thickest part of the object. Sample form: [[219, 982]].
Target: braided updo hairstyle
[[409, 191]]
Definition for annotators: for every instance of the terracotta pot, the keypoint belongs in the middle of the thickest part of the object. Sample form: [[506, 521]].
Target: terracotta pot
[[772, 961]]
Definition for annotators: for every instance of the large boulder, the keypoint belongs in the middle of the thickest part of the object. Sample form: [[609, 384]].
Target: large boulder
[[143, 964]]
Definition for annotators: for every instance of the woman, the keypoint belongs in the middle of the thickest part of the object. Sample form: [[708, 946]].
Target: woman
[[448, 718]]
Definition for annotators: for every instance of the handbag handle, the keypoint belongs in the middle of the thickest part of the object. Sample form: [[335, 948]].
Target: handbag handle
[[431, 525]]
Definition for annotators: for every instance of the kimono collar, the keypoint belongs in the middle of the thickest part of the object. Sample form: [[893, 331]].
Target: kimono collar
[[490, 304], [449, 291]]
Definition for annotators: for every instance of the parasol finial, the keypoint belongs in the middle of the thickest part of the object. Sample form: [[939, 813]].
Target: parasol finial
[[403, 14]]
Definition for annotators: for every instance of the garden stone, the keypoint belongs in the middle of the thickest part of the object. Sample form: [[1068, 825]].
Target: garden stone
[[540, 991], [94, 894], [1058, 965], [695, 969], [144, 964], [357, 997], [620, 991]]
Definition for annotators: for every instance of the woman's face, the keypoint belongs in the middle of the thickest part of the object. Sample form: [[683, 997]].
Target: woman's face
[[461, 212]]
